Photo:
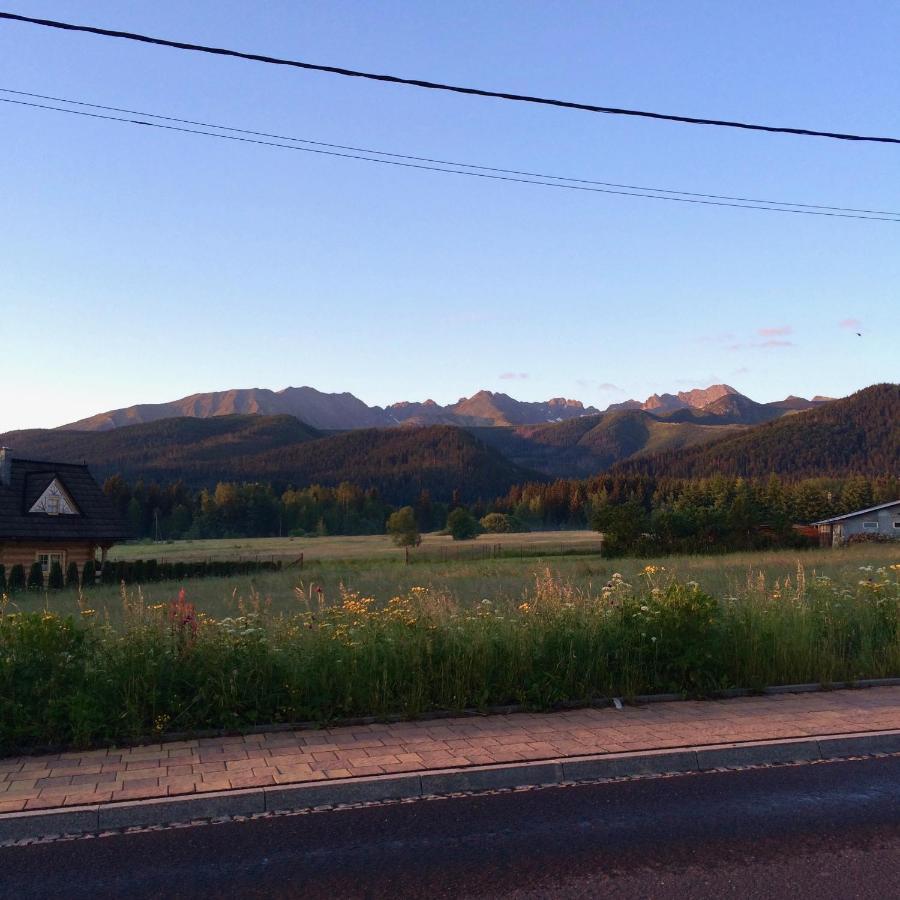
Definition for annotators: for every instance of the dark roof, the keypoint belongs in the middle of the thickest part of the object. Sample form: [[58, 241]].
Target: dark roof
[[96, 519], [859, 512]]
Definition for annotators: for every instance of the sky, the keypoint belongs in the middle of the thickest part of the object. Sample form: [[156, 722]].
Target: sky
[[139, 265]]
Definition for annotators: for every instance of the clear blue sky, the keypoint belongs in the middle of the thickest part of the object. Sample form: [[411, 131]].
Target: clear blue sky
[[140, 266]]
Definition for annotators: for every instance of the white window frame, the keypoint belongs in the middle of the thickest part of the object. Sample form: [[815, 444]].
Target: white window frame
[[47, 557], [870, 525]]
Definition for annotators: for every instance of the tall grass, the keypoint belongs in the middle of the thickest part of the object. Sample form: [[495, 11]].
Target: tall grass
[[167, 667]]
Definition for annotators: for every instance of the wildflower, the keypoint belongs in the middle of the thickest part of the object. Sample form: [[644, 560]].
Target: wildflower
[[182, 616], [160, 723]]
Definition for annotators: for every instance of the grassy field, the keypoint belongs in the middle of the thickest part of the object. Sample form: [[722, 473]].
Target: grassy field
[[372, 567], [434, 547], [385, 638]]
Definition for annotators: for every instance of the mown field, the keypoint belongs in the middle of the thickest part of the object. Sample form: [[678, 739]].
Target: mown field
[[373, 546]]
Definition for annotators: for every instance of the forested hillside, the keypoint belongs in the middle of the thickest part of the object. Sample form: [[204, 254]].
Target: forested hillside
[[282, 451], [591, 444], [857, 435]]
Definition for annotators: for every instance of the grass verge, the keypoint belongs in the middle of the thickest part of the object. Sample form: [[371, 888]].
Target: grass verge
[[166, 666]]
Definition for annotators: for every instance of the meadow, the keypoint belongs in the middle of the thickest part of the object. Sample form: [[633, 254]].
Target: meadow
[[374, 567], [350, 637]]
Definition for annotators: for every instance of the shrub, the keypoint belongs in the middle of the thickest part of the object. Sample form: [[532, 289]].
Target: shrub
[[2, 578], [55, 581], [72, 577], [89, 574], [108, 573], [462, 525], [502, 523], [35, 577], [16, 580], [495, 523]]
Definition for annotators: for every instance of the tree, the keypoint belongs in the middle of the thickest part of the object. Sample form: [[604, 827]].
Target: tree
[[55, 580], [35, 577], [496, 523], [16, 580], [89, 574], [403, 528], [72, 575], [2, 579], [621, 524], [462, 525]]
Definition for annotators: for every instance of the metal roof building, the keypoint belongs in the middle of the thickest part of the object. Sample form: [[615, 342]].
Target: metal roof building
[[882, 520]]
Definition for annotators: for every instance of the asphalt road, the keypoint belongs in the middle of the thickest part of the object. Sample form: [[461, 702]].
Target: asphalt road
[[825, 831]]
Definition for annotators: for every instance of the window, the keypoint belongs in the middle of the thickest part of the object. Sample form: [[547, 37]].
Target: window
[[47, 559], [53, 505], [896, 523], [870, 526]]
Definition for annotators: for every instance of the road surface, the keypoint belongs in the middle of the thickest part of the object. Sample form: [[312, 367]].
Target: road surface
[[828, 830]]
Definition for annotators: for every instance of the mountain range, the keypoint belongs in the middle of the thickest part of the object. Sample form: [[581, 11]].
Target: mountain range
[[729, 434], [717, 404]]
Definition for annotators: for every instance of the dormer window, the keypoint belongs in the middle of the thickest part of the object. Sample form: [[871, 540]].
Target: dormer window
[[55, 501]]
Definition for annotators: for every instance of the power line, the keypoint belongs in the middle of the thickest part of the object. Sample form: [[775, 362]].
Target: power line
[[443, 162], [440, 86], [890, 217]]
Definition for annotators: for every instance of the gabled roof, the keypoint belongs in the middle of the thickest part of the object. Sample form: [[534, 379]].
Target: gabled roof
[[96, 518], [858, 512]]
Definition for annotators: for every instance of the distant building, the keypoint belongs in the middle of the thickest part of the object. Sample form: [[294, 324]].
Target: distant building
[[882, 520], [53, 512]]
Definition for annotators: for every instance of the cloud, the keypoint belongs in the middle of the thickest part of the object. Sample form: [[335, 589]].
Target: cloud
[[775, 332], [513, 376], [851, 324], [605, 386], [743, 370], [771, 342], [721, 338]]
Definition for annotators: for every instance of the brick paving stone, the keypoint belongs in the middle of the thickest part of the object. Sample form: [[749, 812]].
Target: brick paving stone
[[137, 794], [142, 765], [137, 781], [248, 779], [37, 803], [362, 771], [285, 757]]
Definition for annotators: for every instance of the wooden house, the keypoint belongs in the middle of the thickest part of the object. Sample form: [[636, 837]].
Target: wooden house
[[882, 521], [53, 512]]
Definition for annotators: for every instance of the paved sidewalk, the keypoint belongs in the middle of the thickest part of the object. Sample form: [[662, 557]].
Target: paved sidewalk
[[299, 757]]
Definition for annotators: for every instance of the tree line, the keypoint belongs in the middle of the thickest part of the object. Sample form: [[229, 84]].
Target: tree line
[[637, 513]]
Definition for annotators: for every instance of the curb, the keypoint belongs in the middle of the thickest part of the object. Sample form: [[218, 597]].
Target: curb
[[75, 820]]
